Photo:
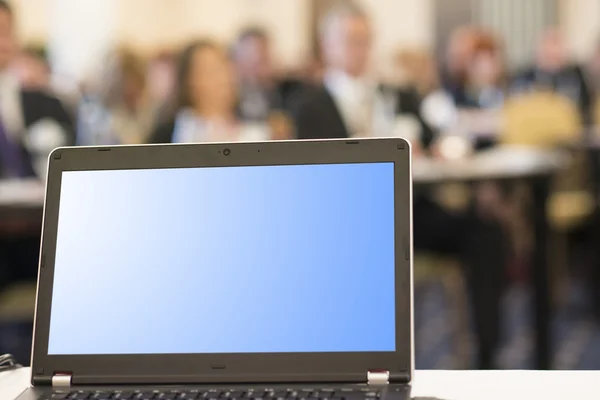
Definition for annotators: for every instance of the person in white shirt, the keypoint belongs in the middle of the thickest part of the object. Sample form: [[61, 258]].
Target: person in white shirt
[[206, 101], [350, 103]]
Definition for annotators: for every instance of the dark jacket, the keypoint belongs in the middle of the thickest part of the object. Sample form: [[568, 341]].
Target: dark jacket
[[317, 116], [163, 132], [37, 105]]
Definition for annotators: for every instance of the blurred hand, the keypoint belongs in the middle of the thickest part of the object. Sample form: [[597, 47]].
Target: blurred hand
[[281, 126], [450, 148], [417, 149]]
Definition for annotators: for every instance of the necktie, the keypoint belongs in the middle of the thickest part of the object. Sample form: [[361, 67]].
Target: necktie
[[364, 112], [12, 160]]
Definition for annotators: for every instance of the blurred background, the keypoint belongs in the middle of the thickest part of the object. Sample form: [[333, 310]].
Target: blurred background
[[498, 97]]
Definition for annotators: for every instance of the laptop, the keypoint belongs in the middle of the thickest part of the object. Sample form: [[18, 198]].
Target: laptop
[[259, 271]]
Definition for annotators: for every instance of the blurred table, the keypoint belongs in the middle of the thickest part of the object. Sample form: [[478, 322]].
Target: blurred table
[[443, 385], [534, 166], [496, 164], [21, 206]]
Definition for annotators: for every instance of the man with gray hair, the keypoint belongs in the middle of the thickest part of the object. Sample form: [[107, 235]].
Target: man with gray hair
[[351, 103]]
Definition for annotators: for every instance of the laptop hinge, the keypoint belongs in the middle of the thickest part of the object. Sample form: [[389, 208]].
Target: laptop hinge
[[378, 377], [61, 380]]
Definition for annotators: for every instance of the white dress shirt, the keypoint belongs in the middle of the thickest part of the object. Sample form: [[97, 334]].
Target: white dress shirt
[[11, 109], [355, 98], [367, 111], [189, 128], [40, 137]]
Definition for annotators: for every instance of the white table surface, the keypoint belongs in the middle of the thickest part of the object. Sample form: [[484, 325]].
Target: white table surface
[[22, 193], [446, 385], [498, 163], [501, 162]]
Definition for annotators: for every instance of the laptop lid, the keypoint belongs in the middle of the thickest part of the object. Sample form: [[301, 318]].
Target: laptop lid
[[247, 262]]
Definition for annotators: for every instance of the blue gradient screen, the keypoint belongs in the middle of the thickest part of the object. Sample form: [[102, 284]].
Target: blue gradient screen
[[261, 259]]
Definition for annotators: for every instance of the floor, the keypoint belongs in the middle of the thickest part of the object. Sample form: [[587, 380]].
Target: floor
[[576, 333]]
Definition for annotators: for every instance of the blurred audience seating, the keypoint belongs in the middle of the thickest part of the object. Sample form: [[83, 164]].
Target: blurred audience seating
[[211, 91], [547, 119]]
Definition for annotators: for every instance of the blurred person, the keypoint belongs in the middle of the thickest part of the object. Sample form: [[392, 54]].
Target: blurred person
[[594, 71], [160, 77], [119, 110], [341, 108], [313, 71], [32, 68], [459, 51], [350, 102], [484, 76], [206, 99], [260, 90], [419, 68], [554, 71], [32, 124]]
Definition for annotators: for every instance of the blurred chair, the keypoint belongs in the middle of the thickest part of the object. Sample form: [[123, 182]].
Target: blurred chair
[[547, 120], [540, 119], [17, 303]]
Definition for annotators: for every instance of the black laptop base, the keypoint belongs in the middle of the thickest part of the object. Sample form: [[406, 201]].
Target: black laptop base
[[328, 392]]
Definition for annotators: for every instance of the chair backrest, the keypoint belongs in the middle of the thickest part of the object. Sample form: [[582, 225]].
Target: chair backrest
[[541, 119]]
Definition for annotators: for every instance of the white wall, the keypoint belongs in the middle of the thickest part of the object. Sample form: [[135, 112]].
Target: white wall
[[288, 21], [73, 54], [32, 19], [398, 24], [150, 25], [580, 20]]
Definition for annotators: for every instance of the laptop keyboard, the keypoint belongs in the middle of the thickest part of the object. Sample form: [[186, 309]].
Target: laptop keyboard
[[345, 393]]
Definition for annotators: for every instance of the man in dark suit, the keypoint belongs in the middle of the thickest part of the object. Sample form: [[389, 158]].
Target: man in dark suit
[[32, 123], [553, 71], [350, 104]]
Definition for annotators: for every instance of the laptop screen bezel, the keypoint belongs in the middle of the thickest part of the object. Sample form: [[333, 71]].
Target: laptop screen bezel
[[268, 367]]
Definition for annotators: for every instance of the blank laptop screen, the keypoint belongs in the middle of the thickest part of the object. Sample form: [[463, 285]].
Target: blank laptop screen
[[262, 259]]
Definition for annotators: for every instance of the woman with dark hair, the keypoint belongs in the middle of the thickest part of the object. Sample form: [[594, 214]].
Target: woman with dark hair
[[205, 100]]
